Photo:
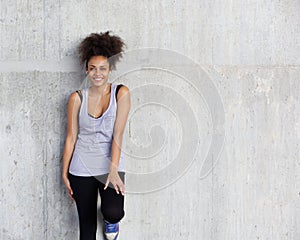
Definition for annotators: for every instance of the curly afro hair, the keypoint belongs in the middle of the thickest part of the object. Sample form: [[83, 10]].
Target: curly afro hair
[[101, 44]]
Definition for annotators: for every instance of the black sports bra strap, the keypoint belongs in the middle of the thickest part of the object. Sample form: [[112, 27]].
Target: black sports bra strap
[[118, 88], [80, 94]]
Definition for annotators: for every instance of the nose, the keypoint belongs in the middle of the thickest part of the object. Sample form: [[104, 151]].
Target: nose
[[97, 71]]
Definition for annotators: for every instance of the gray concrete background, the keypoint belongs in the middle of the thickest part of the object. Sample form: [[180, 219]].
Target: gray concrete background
[[250, 49]]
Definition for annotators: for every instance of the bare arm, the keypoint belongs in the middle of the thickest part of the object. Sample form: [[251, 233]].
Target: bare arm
[[123, 107], [72, 131], [120, 124]]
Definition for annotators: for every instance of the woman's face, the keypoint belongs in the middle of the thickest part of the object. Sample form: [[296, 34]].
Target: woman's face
[[98, 70]]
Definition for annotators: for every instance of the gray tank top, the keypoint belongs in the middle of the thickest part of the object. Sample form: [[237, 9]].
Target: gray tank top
[[92, 152]]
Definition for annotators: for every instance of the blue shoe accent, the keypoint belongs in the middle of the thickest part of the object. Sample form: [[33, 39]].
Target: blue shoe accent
[[111, 230]]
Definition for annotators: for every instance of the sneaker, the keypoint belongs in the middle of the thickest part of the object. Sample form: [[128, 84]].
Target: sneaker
[[111, 230]]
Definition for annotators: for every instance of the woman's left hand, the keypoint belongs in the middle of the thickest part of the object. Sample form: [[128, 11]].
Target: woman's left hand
[[115, 180]]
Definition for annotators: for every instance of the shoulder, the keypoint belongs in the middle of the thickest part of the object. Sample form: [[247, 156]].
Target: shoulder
[[75, 97], [123, 91]]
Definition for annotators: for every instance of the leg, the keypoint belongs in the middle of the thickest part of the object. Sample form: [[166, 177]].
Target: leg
[[112, 204], [85, 192], [112, 207]]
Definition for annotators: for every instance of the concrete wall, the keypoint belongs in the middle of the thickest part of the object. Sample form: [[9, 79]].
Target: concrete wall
[[249, 50]]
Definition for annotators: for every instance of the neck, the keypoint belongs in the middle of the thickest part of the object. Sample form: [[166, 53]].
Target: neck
[[100, 89]]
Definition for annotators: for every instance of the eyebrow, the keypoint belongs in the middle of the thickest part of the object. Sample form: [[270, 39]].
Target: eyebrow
[[95, 66]]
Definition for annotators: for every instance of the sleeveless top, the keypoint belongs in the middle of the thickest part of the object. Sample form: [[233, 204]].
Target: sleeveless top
[[92, 152]]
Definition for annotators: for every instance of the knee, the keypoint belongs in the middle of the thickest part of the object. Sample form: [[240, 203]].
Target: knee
[[113, 215]]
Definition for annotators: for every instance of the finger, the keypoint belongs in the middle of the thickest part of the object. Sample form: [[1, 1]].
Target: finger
[[106, 184], [116, 188], [68, 186], [122, 189], [121, 186], [70, 190], [72, 198], [71, 195]]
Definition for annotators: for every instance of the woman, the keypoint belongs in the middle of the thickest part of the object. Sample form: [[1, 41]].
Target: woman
[[92, 159]]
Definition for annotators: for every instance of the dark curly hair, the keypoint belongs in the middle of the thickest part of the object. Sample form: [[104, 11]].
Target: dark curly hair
[[101, 44]]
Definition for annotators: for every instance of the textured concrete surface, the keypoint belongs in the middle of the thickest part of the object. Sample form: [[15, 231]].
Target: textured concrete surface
[[250, 49]]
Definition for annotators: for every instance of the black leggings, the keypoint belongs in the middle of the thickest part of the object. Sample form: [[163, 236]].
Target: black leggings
[[85, 193]]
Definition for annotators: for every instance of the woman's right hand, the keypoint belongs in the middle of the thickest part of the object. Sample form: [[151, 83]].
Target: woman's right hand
[[68, 186]]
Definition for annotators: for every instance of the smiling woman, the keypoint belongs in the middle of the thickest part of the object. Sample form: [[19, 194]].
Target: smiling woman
[[93, 161], [102, 44], [98, 70]]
